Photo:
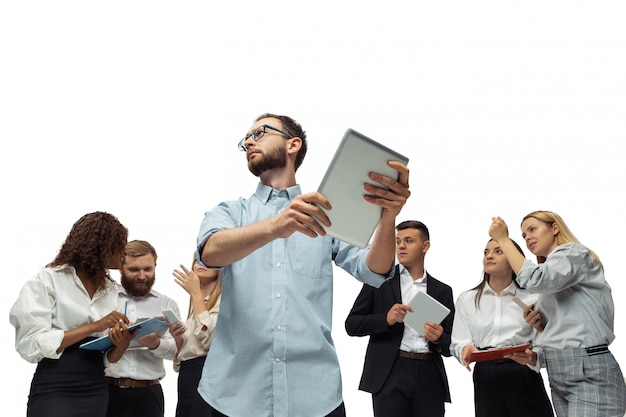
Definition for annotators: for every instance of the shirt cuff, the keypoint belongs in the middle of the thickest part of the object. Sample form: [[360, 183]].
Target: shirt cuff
[[49, 342]]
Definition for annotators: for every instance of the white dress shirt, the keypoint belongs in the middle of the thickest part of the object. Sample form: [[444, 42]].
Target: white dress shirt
[[497, 322], [139, 362], [51, 302], [412, 341]]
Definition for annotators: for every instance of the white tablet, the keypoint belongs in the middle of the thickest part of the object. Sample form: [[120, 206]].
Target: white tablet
[[425, 308], [354, 219]]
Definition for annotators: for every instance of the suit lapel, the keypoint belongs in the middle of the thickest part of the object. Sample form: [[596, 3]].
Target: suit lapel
[[430, 285], [395, 285]]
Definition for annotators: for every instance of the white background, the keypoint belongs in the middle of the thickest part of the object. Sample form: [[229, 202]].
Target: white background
[[135, 108]]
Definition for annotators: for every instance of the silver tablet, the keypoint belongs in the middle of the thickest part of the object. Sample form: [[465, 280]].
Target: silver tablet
[[425, 308], [354, 219]]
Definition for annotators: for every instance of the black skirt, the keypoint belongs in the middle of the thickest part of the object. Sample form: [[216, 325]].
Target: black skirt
[[504, 388], [190, 403], [72, 385]]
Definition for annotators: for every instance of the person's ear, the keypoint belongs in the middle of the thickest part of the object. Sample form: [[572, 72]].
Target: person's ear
[[426, 246], [555, 229], [294, 145]]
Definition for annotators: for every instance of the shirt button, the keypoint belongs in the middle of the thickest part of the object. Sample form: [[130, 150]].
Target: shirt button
[[277, 360], [278, 264], [279, 328], [277, 295]]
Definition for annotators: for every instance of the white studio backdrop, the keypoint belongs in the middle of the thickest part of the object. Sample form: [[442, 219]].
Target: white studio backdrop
[[136, 108]]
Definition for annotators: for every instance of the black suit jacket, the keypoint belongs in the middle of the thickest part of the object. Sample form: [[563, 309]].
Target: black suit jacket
[[368, 317]]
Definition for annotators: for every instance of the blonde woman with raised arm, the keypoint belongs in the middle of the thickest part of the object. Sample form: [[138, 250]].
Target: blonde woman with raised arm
[[576, 303], [193, 339]]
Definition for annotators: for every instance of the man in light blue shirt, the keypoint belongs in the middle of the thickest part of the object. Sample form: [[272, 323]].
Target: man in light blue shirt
[[272, 354]]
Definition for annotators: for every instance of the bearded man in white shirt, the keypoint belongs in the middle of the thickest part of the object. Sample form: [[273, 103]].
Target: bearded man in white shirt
[[134, 381]]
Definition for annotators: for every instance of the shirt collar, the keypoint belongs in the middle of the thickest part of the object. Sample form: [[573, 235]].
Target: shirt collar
[[511, 289], [405, 272], [123, 293], [109, 285], [264, 192]]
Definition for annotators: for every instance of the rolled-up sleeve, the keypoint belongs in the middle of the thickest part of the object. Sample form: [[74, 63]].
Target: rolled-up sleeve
[[31, 315], [353, 260], [219, 218]]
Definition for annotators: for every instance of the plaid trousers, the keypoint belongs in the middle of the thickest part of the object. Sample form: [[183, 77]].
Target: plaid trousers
[[586, 383]]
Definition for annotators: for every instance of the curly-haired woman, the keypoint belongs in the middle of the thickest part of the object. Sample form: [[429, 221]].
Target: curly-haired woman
[[71, 300]]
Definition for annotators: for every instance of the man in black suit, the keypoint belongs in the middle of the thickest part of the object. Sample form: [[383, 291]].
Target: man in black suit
[[404, 368]]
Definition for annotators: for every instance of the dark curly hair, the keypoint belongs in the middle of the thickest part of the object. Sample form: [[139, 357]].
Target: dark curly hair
[[93, 238]]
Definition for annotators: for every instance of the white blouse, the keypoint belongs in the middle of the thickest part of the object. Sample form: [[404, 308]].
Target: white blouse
[[499, 322], [51, 302]]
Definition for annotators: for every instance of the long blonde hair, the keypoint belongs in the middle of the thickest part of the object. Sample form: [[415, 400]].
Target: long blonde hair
[[565, 235], [215, 294]]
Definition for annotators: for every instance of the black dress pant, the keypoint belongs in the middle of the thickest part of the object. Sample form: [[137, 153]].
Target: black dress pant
[[413, 389], [504, 388], [136, 402]]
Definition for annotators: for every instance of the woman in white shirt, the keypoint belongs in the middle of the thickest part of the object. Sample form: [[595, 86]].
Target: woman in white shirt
[[576, 302], [487, 317], [70, 301], [194, 338]]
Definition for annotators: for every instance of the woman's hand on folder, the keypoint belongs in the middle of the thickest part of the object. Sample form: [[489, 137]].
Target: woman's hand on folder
[[528, 357], [466, 355], [120, 336], [110, 321]]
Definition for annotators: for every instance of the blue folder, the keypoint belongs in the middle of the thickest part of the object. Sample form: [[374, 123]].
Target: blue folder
[[148, 326]]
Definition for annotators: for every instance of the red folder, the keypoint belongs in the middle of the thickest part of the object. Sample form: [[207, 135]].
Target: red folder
[[497, 353]]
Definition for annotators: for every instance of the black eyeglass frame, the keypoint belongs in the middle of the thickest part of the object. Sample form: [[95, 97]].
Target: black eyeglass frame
[[258, 134]]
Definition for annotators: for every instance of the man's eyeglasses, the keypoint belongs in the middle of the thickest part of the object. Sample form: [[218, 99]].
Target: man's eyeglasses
[[258, 133]]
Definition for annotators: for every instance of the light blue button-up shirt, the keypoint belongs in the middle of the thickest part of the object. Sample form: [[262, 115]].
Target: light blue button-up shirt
[[272, 353]]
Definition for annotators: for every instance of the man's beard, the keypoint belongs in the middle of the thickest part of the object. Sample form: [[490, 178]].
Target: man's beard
[[131, 289], [274, 158]]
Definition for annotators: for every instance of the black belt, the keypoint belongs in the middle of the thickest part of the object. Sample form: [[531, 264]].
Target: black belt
[[416, 355], [597, 350], [131, 383]]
